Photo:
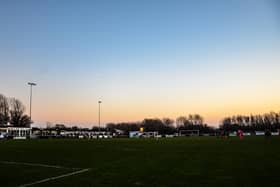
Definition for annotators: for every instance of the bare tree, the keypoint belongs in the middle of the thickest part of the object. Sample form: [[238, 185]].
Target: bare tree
[[180, 121], [191, 119], [167, 121], [18, 118], [4, 110], [198, 119]]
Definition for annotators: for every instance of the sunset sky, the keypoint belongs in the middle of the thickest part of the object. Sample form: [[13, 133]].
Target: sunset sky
[[142, 58]]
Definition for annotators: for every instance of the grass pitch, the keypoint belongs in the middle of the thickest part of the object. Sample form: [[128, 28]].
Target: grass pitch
[[194, 161]]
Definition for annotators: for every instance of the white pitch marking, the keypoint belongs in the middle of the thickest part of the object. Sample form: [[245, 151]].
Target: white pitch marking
[[35, 164], [80, 170], [57, 177]]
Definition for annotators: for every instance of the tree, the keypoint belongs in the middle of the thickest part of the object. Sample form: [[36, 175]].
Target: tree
[[181, 120], [193, 122], [152, 124], [252, 123], [125, 127], [198, 119], [158, 125], [167, 122], [18, 118], [4, 110]]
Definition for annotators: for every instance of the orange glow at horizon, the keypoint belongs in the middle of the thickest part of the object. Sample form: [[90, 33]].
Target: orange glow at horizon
[[212, 112]]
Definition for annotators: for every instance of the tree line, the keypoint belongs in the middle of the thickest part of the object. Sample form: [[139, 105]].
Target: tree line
[[165, 125], [269, 121], [12, 112]]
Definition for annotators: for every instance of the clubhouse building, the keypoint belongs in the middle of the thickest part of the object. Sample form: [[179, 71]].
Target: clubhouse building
[[15, 132]]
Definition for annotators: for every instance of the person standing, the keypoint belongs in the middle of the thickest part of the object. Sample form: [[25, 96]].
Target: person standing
[[240, 134]]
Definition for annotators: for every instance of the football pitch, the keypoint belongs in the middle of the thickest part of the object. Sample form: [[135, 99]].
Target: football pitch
[[191, 161]]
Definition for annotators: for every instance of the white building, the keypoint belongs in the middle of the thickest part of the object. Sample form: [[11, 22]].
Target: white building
[[16, 132]]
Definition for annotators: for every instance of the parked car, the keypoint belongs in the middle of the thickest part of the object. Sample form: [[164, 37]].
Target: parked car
[[3, 135]]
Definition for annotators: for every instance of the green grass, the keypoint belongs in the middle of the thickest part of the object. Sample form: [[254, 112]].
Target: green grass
[[198, 161]]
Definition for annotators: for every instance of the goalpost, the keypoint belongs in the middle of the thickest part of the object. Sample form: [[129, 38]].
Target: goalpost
[[189, 133]]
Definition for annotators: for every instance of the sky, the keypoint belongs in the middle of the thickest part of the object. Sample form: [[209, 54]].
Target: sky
[[142, 58]]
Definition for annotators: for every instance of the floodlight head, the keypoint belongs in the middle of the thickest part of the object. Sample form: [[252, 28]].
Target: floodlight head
[[32, 84]]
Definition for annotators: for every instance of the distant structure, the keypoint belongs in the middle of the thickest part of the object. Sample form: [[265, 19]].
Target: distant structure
[[189, 133], [15, 132], [140, 134]]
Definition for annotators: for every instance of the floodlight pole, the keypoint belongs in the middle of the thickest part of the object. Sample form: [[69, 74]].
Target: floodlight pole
[[31, 84], [99, 102]]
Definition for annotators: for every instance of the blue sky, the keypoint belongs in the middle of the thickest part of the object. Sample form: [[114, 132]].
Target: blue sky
[[153, 58]]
